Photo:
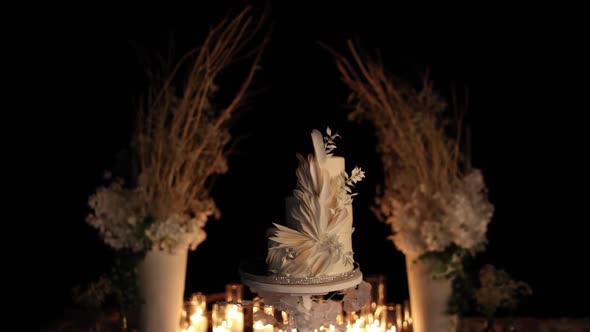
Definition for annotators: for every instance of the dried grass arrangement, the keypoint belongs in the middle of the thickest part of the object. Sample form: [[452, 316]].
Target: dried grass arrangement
[[432, 198], [181, 140]]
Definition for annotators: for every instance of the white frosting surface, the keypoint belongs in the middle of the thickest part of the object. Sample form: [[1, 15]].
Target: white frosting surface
[[335, 166], [339, 249]]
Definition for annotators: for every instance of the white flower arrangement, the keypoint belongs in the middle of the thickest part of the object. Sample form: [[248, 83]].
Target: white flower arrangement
[[121, 217], [433, 200], [180, 142], [431, 222]]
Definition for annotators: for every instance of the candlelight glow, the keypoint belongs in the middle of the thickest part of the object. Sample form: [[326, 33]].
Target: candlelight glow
[[259, 327]]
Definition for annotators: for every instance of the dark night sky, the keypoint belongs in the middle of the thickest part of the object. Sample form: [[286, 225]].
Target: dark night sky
[[523, 136]]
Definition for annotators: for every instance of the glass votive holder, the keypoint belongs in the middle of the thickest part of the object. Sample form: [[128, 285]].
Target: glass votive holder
[[377, 282], [407, 317], [184, 323], [380, 317], [263, 318], [195, 311], [352, 318], [231, 316], [234, 292], [366, 312], [399, 318], [198, 301], [257, 303], [193, 319], [391, 317]]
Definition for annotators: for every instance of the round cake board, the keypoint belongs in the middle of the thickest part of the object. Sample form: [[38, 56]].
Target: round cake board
[[306, 289], [300, 286]]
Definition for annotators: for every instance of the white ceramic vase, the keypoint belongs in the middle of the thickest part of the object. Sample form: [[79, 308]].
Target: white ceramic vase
[[161, 280], [429, 298]]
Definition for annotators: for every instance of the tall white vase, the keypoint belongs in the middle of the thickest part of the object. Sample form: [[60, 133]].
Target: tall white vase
[[161, 280], [429, 298]]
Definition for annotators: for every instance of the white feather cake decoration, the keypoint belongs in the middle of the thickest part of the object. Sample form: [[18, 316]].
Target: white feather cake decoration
[[316, 239]]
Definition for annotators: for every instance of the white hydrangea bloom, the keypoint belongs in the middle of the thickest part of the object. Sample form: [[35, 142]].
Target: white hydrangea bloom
[[116, 214], [122, 219], [431, 221], [469, 213]]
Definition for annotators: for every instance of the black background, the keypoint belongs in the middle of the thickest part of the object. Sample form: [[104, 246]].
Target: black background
[[85, 73]]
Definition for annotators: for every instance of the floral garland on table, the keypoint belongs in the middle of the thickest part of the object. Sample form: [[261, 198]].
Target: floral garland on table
[[434, 201]]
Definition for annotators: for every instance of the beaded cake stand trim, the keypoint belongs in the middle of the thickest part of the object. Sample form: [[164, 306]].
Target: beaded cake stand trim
[[253, 277]]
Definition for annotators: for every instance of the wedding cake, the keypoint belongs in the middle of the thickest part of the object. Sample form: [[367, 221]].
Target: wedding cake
[[316, 238]]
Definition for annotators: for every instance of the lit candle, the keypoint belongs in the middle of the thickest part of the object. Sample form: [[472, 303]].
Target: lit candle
[[398, 316], [235, 318], [357, 326], [375, 326], [234, 292], [407, 316], [189, 329], [199, 322], [259, 327], [195, 313], [221, 328]]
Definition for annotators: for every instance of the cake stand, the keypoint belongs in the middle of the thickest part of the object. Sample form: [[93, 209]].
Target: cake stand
[[297, 296]]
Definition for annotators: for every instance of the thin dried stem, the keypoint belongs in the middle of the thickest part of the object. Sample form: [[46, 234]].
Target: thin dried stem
[[412, 142], [433, 202], [182, 138]]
